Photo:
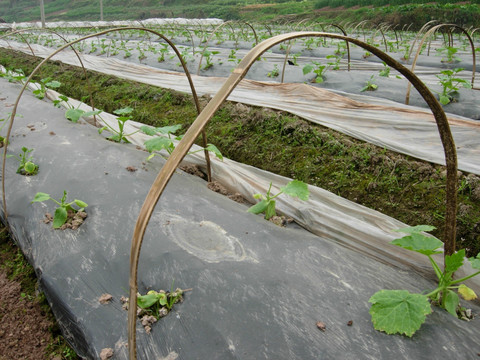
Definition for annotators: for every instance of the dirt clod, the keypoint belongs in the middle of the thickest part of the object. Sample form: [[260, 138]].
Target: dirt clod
[[321, 326], [350, 323], [219, 188], [131, 168], [105, 298], [106, 353], [193, 170]]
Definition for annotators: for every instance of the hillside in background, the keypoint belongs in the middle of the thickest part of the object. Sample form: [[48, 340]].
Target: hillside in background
[[395, 12]]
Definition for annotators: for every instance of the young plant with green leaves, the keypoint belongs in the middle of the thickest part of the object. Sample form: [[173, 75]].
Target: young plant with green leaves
[[61, 212], [154, 302], [318, 69], [294, 188], [450, 83], [385, 72], [208, 55], [370, 85], [119, 135], [26, 164], [74, 113], [448, 54], [45, 84], [164, 140], [401, 312], [274, 73]]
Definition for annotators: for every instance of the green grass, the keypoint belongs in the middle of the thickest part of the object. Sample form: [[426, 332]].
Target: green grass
[[407, 189]]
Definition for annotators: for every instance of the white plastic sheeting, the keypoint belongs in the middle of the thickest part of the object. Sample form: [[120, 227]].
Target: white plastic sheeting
[[404, 129], [82, 24]]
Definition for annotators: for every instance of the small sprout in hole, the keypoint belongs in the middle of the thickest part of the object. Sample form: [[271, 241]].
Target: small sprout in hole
[[26, 167], [401, 312], [317, 69], [294, 188], [119, 135], [370, 85], [274, 72], [385, 72], [61, 212]]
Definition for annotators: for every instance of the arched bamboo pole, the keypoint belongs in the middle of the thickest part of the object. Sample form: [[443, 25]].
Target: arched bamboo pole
[[229, 85]]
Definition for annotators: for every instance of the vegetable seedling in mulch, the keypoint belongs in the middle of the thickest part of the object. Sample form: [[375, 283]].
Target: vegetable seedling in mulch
[[164, 140], [65, 211], [450, 84], [370, 85], [294, 188], [27, 166], [401, 312], [125, 114]]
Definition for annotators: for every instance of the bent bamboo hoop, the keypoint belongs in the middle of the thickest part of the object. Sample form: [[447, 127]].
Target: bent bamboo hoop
[[14, 110], [426, 36], [195, 129]]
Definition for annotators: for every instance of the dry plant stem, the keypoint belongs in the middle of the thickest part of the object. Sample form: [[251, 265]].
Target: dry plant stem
[[427, 35], [196, 128], [14, 110]]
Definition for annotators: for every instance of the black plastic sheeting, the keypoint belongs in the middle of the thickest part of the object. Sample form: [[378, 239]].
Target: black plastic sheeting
[[258, 289]]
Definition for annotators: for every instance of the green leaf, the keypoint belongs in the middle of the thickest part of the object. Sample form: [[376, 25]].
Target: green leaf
[[212, 148], [259, 207], [455, 261], [158, 143], [74, 114], [92, 112], [145, 301], [475, 262], [451, 302], [444, 99], [53, 84], [307, 69], [124, 111], [296, 188], [419, 243], [60, 217], [398, 311], [80, 203], [162, 299], [148, 130], [270, 210], [169, 129], [415, 229], [30, 167], [40, 197]]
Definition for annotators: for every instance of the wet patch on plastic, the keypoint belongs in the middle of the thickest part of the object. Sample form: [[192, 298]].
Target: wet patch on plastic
[[207, 241]]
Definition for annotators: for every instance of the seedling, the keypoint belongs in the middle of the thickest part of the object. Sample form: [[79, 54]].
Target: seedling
[[73, 113], [274, 73], [153, 302], [449, 54], [61, 212], [208, 55], [294, 188], [26, 167], [119, 135], [163, 52], [370, 85], [164, 140], [450, 85], [385, 72], [318, 69], [44, 84], [401, 312]]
